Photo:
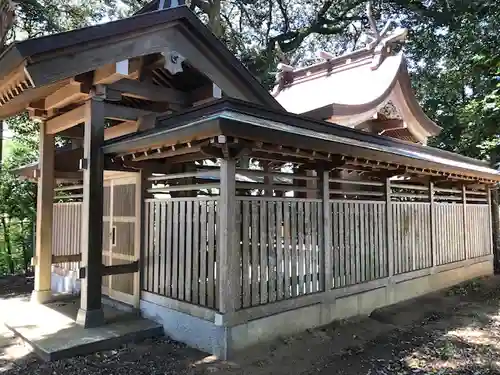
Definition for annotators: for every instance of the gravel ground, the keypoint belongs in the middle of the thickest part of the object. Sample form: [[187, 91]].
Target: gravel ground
[[453, 332]]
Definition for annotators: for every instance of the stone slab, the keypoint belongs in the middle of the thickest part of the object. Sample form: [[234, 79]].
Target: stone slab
[[53, 334]]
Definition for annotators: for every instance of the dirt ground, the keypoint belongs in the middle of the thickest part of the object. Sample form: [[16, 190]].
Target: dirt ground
[[453, 332]]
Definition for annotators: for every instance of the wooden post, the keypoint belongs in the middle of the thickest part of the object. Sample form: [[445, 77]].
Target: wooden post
[[138, 232], [431, 218], [493, 202], [228, 255], [388, 214], [268, 181], [327, 282], [90, 313], [44, 211], [464, 214]]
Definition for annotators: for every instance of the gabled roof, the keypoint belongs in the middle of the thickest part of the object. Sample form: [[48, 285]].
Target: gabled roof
[[33, 67], [352, 88]]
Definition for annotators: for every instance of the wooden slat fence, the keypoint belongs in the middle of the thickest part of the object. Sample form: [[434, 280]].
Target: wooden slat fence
[[377, 229], [449, 232], [179, 251], [478, 230], [411, 236], [280, 242], [359, 241], [66, 232]]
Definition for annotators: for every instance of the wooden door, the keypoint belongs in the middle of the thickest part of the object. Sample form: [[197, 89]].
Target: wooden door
[[119, 238]]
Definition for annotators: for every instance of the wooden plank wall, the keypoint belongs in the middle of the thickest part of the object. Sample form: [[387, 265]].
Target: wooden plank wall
[[180, 254], [478, 231], [449, 232], [279, 240], [411, 236], [359, 242], [66, 232]]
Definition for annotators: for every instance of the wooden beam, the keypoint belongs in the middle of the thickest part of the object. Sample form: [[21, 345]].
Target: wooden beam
[[120, 269], [131, 166], [118, 130], [146, 122], [66, 95], [76, 116], [120, 112], [66, 258], [117, 269], [169, 153], [37, 114], [75, 132], [64, 175], [113, 72], [66, 120], [149, 91]]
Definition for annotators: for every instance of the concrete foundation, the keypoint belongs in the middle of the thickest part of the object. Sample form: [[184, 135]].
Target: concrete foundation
[[221, 335]]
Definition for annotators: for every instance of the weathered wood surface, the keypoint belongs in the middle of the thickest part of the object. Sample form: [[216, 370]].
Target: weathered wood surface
[[279, 244], [66, 234], [283, 251], [448, 226], [358, 241], [411, 236], [478, 231], [181, 247]]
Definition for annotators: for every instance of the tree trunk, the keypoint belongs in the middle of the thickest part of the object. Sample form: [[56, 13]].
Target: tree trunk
[[8, 247]]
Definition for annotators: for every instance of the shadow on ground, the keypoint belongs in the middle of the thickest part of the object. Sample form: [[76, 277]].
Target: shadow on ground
[[453, 332]]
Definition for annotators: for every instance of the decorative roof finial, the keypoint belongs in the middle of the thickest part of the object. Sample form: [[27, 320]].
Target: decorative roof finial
[[382, 39], [371, 20]]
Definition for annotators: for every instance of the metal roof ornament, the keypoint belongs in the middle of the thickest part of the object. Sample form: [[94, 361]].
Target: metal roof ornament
[[382, 39], [173, 61], [166, 4]]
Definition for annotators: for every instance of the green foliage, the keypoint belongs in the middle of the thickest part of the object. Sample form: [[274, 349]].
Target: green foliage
[[17, 199]]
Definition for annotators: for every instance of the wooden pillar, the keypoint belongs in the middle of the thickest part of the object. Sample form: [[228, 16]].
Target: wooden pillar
[[268, 181], [140, 185], [90, 313], [312, 184], [464, 214], [327, 280], [493, 201], [228, 255], [389, 231], [431, 218], [44, 211]]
